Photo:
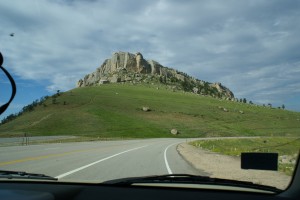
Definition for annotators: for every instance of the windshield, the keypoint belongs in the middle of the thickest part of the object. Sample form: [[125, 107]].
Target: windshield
[[117, 89]]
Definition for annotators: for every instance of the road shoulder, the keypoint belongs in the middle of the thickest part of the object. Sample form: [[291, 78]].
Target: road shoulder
[[228, 167]]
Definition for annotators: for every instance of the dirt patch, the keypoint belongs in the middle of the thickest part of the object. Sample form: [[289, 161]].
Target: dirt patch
[[228, 167], [43, 118]]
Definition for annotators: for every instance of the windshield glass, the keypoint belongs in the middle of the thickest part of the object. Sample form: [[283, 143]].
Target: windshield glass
[[116, 89]]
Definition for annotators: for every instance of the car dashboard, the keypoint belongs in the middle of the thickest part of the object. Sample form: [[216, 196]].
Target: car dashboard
[[52, 191]]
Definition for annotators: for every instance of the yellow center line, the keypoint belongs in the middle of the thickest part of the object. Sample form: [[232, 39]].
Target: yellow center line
[[44, 157]]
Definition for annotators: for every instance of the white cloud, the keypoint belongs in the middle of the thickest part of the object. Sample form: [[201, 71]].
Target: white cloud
[[250, 46]]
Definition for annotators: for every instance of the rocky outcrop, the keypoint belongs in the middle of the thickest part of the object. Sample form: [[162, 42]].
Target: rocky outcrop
[[128, 67], [223, 90], [121, 63]]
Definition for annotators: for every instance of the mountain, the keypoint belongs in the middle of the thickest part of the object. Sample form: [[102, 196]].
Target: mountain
[[124, 67], [143, 111], [146, 101]]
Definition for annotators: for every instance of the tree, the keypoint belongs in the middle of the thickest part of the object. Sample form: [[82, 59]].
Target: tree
[[187, 85], [8, 118], [283, 107], [163, 79], [174, 79], [244, 100], [270, 105]]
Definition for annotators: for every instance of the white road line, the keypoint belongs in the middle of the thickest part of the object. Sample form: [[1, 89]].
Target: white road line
[[166, 161], [93, 163]]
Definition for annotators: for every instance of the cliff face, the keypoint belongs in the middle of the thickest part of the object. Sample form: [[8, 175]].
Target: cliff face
[[121, 63], [128, 67]]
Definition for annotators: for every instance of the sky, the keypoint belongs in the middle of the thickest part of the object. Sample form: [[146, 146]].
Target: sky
[[251, 47]]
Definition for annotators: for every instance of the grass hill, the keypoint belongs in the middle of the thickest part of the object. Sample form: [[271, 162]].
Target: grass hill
[[115, 110]]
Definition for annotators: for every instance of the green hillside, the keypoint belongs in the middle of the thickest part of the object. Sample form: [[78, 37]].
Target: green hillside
[[115, 110]]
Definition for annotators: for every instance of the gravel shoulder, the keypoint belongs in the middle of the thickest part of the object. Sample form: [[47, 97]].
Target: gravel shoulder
[[228, 167]]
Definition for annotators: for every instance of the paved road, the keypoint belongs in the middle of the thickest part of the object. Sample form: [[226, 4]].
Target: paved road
[[98, 161]]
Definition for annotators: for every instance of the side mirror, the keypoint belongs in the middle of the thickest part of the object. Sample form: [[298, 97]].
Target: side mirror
[[13, 85]]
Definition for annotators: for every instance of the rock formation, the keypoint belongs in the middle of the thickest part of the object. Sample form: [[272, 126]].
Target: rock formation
[[128, 67]]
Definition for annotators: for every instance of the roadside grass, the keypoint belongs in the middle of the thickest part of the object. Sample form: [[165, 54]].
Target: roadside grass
[[287, 148], [115, 110], [77, 139]]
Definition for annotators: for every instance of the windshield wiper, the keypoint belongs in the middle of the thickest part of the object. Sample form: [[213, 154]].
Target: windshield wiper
[[24, 175], [189, 179]]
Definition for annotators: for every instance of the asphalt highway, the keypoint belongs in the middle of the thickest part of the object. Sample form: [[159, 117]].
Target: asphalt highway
[[98, 161]]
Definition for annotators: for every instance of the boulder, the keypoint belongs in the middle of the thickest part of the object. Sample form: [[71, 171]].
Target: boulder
[[174, 131], [195, 90], [115, 79], [103, 81], [146, 109]]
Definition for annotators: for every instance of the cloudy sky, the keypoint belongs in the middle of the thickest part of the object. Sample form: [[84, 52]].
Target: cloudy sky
[[252, 47]]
